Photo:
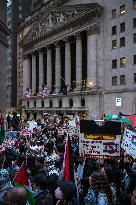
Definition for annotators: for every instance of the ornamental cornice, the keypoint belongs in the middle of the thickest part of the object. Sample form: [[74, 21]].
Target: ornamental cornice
[[57, 20], [94, 29]]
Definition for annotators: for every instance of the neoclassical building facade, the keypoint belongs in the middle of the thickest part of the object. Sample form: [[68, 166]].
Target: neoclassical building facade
[[64, 47]]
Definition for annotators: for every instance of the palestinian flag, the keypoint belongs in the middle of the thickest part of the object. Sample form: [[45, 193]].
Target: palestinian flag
[[68, 161], [21, 179]]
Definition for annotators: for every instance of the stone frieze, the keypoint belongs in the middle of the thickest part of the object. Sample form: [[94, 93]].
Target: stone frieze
[[59, 19]]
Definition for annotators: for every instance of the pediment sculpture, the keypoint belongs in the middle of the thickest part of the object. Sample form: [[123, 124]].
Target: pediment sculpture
[[55, 19]]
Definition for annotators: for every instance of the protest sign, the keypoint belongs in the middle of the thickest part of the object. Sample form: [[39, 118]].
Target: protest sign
[[100, 137], [129, 143], [32, 125], [99, 148], [10, 134]]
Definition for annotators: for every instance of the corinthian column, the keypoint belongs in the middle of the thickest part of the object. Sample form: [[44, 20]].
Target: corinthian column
[[91, 57], [40, 68], [33, 73], [78, 61], [67, 63], [57, 68], [26, 73], [49, 71]]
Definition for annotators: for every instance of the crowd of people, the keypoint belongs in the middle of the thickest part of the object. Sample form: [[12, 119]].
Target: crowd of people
[[95, 181]]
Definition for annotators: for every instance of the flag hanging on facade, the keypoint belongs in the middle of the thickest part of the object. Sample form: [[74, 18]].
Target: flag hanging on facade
[[21, 179], [44, 91], [28, 93]]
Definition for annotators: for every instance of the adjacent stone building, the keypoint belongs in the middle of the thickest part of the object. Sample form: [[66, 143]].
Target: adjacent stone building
[[17, 10], [4, 32], [84, 46]]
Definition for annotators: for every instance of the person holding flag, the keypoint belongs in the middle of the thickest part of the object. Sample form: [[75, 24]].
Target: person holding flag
[[21, 180], [66, 193]]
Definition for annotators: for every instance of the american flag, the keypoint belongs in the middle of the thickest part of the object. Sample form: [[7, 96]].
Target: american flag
[[44, 91], [28, 93]]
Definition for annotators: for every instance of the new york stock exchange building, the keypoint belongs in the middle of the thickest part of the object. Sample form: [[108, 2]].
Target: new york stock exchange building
[[65, 61]]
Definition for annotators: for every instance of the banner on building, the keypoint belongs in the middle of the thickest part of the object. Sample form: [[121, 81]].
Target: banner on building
[[129, 143], [99, 148]]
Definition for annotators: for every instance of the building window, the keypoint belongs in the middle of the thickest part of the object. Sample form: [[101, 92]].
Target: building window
[[20, 16], [134, 38], [114, 44], [27, 104], [122, 80], [114, 30], [82, 102], [134, 4], [70, 102], [34, 103], [42, 104], [20, 65], [122, 10], [28, 115], [114, 64], [20, 8], [134, 22], [51, 104], [122, 42], [122, 27], [114, 80], [60, 103], [134, 59], [122, 62], [113, 13], [134, 77]]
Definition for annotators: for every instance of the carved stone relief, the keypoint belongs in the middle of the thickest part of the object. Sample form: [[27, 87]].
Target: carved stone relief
[[55, 20]]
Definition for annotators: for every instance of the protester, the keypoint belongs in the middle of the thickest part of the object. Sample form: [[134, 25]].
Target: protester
[[66, 193], [133, 197], [43, 153], [41, 194], [5, 182], [100, 192], [14, 196]]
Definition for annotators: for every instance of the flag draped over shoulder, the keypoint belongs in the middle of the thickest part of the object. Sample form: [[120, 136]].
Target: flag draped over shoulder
[[21, 179], [68, 161]]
